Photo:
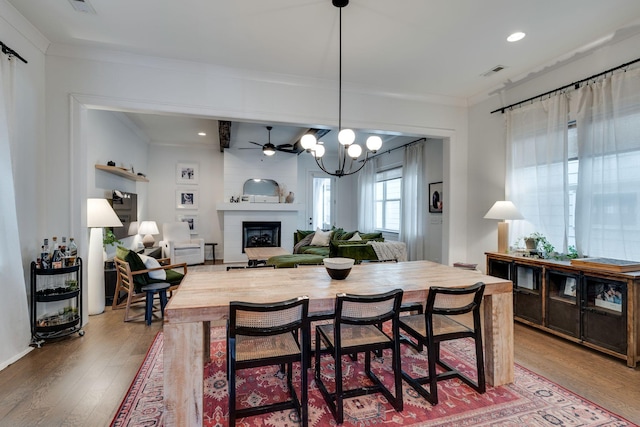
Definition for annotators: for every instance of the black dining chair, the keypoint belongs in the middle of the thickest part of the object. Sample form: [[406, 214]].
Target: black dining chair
[[357, 328], [264, 334], [446, 317]]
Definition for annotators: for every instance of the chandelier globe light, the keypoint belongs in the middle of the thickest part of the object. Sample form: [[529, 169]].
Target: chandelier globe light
[[348, 151]]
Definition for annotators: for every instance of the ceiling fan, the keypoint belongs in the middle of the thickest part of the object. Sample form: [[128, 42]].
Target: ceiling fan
[[269, 149]]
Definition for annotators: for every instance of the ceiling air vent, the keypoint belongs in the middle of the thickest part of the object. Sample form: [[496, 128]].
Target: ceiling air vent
[[82, 6], [494, 70]]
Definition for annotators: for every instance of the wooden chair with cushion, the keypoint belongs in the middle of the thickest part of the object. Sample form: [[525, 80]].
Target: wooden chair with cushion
[[450, 314], [264, 335], [357, 329], [136, 279]]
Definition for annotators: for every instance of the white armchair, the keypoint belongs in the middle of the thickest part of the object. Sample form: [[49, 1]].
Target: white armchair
[[178, 245]]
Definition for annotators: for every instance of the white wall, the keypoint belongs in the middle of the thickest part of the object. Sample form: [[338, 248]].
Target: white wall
[[162, 206], [113, 138], [486, 179]]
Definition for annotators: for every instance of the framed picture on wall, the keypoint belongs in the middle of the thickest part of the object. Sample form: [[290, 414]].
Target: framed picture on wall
[[187, 173], [436, 197], [192, 220], [187, 199]]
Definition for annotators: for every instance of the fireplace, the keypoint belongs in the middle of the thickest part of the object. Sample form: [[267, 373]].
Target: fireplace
[[260, 234]]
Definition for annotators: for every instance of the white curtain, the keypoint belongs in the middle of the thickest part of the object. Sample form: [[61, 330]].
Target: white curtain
[[537, 169], [608, 197], [14, 311], [367, 196], [412, 211]]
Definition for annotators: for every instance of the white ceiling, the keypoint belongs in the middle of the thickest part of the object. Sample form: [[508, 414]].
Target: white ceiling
[[419, 47]]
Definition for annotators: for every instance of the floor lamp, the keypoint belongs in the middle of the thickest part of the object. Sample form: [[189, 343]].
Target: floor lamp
[[99, 215], [503, 210]]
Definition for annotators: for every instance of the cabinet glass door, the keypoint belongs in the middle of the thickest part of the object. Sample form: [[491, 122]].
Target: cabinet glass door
[[526, 293], [563, 302], [605, 313]]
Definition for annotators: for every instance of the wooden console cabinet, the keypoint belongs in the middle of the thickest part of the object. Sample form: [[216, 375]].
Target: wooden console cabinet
[[597, 308]]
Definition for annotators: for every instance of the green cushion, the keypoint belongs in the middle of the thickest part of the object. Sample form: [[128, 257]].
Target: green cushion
[[371, 236], [173, 277], [288, 261], [357, 250], [122, 252], [316, 250]]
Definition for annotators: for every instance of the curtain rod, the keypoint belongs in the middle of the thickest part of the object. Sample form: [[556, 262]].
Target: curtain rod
[[576, 85], [8, 51], [396, 148]]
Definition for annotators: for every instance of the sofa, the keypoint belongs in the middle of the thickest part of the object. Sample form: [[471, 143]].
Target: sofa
[[341, 243]]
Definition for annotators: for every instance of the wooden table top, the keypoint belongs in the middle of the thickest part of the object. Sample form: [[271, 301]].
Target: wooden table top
[[205, 296]]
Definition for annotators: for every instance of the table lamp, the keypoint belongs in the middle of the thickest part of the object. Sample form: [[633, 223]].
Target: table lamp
[[99, 215], [148, 228], [503, 210]]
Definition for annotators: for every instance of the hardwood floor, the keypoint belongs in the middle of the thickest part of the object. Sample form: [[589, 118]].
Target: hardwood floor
[[80, 381]]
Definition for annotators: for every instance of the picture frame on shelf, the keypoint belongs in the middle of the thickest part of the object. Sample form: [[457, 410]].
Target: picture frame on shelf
[[609, 296], [436, 197], [192, 220], [186, 198], [570, 287], [187, 173]]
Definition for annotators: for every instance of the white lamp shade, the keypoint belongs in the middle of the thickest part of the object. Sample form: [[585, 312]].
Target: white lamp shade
[[503, 210], [308, 141], [354, 151], [374, 143], [346, 136], [318, 150], [101, 214], [148, 227]]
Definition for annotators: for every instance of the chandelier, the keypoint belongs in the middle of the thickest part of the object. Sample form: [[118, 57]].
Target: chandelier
[[348, 150]]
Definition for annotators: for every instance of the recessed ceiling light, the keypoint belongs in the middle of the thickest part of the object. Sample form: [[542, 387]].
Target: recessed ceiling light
[[516, 36], [202, 134]]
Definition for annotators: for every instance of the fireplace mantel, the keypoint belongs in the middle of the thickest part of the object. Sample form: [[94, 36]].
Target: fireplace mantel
[[278, 207]]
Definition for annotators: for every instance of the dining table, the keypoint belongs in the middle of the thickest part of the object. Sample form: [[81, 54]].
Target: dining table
[[203, 300]]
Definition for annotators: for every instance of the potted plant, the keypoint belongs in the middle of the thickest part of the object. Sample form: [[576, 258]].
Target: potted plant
[[538, 243], [108, 238]]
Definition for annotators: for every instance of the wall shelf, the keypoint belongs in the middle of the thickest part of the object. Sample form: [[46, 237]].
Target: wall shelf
[[122, 172]]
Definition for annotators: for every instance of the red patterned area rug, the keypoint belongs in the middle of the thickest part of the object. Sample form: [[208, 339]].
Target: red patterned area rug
[[530, 401]]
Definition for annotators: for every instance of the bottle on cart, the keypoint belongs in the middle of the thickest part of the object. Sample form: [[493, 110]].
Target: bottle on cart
[[44, 257], [56, 258], [63, 247], [72, 251]]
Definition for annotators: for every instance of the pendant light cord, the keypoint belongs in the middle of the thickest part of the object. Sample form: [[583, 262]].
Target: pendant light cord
[[340, 73]]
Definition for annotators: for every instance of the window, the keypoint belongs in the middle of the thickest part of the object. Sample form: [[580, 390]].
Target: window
[[388, 200]]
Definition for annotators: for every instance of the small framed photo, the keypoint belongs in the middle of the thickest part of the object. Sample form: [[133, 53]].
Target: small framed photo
[[192, 220], [187, 199], [187, 173], [436, 197], [570, 287]]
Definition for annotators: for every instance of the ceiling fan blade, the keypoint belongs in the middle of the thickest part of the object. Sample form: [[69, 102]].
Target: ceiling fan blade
[[251, 142]]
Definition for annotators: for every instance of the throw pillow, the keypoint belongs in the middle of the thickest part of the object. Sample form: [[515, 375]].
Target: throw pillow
[[150, 263], [356, 237], [135, 264], [321, 238], [306, 241], [122, 252]]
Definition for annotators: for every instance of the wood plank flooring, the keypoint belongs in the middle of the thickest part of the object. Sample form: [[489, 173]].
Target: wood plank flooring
[[80, 381]]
